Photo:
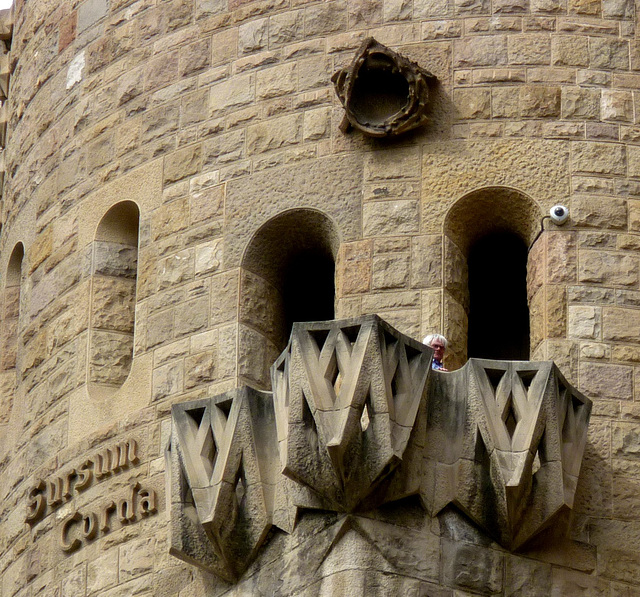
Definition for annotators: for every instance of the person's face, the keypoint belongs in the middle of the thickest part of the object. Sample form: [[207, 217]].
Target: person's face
[[438, 349]]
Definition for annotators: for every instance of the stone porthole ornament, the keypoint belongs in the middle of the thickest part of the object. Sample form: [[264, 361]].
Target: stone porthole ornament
[[383, 93]]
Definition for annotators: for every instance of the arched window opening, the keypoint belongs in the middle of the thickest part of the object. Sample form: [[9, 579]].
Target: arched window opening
[[498, 310], [308, 288], [11, 308], [288, 273], [486, 312], [113, 293]]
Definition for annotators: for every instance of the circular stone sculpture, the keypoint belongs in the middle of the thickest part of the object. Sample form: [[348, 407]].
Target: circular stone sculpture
[[382, 92]]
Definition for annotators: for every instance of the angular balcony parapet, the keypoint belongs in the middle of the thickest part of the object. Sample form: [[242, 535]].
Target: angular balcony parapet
[[224, 470], [347, 394], [357, 420], [505, 445]]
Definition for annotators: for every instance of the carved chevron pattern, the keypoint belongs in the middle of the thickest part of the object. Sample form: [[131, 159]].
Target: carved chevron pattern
[[349, 427], [225, 449], [519, 467], [351, 391]]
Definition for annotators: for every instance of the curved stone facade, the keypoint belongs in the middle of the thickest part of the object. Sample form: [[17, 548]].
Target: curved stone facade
[[211, 129]]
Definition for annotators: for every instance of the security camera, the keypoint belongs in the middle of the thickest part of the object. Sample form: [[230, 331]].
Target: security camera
[[559, 214]]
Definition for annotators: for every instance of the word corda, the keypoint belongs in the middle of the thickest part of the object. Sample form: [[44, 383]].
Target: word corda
[[78, 528]]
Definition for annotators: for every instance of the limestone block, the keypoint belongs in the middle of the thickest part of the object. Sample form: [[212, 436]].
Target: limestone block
[[224, 293], [539, 102], [195, 57], [317, 124], [199, 369], [192, 316], [286, 28], [177, 269], [168, 380], [325, 18], [607, 381], [276, 81], [504, 102], [584, 322], [445, 29], [113, 301], [608, 53], [207, 204], [403, 163], [354, 268], [480, 51], [182, 164], [472, 567], [253, 36], [529, 49], [390, 271], [391, 217], [598, 158], [234, 93], [599, 212], [426, 261], [472, 103], [276, 134], [208, 257], [570, 50], [261, 305], [102, 572], [527, 578], [611, 269], [580, 103], [169, 219], [256, 353], [617, 106], [224, 148], [110, 357], [620, 325]]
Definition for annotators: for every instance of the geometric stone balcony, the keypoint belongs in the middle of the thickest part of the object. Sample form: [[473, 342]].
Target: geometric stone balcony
[[505, 445], [357, 420]]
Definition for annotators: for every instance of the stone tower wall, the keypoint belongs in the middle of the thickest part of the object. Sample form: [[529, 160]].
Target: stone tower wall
[[201, 122]]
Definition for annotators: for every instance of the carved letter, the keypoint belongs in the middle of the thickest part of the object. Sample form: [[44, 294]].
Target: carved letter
[[66, 488], [104, 516], [126, 506], [37, 505], [85, 476], [147, 504], [89, 525], [103, 464], [66, 525], [54, 495]]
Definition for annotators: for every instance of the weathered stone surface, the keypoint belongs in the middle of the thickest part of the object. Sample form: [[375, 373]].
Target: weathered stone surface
[[609, 268], [471, 567], [607, 381], [620, 325]]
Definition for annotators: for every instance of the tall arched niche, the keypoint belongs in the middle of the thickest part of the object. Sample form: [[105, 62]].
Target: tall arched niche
[[10, 330], [113, 294], [487, 234], [287, 275]]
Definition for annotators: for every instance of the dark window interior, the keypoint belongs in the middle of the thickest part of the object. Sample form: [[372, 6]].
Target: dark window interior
[[308, 287], [498, 310]]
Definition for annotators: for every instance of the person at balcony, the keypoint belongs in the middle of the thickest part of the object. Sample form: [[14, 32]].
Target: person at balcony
[[439, 345]]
